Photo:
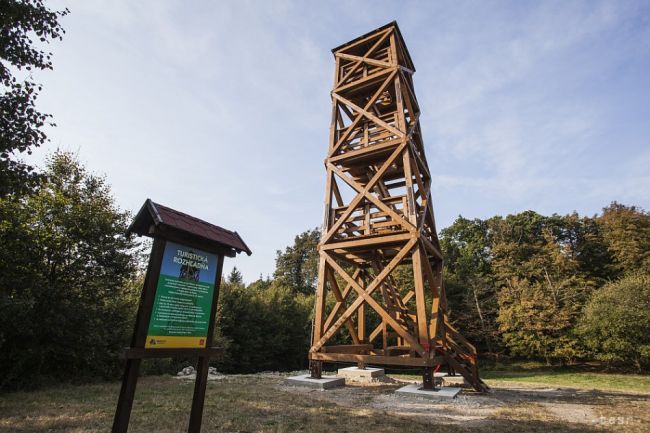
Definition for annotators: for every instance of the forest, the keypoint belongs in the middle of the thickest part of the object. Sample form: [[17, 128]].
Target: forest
[[561, 289]]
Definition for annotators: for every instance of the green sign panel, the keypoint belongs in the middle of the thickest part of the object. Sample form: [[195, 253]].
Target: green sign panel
[[183, 303]]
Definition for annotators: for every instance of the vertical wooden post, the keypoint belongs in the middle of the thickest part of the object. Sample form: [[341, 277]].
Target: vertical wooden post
[[427, 378], [196, 415], [361, 313], [420, 307], [125, 400], [321, 294], [130, 378], [316, 369]]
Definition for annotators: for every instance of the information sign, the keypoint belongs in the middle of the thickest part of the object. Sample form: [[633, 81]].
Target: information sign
[[183, 303]]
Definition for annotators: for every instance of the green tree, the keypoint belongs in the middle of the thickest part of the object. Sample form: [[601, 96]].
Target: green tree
[[297, 266], [541, 286], [24, 25], [471, 292], [235, 277], [263, 329], [67, 291], [534, 325], [260, 284], [615, 325]]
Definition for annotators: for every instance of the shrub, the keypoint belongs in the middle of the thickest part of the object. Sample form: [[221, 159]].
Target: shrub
[[615, 324]]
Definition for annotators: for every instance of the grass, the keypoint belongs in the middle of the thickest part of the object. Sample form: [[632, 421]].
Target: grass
[[567, 377], [246, 404], [261, 404], [572, 379]]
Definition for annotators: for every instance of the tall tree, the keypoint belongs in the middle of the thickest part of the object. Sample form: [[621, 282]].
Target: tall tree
[[626, 231], [24, 25], [297, 266], [235, 277], [542, 289], [471, 291]]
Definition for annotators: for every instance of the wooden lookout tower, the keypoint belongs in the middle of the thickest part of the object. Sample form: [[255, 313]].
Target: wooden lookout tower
[[378, 219]]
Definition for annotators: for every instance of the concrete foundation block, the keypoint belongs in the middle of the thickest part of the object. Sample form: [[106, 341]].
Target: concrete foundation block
[[415, 389], [326, 382], [360, 375]]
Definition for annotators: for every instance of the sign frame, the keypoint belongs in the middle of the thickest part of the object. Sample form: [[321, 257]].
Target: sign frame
[[149, 222]]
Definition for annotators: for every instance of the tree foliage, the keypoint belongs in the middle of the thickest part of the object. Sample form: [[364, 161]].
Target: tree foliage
[[297, 266], [518, 284], [264, 329], [626, 232], [25, 25], [235, 277], [542, 289], [67, 295], [616, 322], [469, 282]]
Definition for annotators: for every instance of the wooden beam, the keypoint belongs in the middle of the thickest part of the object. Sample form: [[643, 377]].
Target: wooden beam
[[347, 348], [365, 242], [320, 298], [367, 60], [377, 359], [334, 286]]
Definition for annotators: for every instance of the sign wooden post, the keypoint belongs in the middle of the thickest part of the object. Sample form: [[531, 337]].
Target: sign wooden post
[[177, 309]]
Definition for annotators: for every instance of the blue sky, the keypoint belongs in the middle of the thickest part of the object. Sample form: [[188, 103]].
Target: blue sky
[[221, 109]]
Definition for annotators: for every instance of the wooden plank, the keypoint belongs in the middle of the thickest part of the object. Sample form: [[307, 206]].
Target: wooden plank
[[334, 286], [347, 348], [359, 41], [367, 60], [434, 284], [364, 151], [337, 307], [430, 247], [357, 243], [422, 322], [377, 359], [320, 298]]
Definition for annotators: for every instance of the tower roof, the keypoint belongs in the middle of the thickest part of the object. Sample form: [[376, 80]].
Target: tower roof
[[400, 42]]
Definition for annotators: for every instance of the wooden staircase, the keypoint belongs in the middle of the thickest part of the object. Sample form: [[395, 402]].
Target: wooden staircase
[[461, 356]]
